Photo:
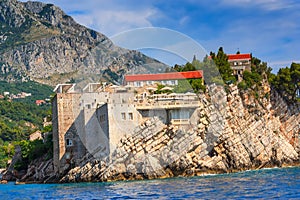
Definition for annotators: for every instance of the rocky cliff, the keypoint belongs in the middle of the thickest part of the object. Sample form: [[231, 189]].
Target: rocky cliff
[[39, 41], [235, 131]]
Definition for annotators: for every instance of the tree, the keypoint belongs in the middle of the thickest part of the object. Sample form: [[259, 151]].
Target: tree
[[252, 78], [188, 67], [177, 68], [260, 67], [287, 82], [295, 76], [186, 85], [197, 85], [221, 61]]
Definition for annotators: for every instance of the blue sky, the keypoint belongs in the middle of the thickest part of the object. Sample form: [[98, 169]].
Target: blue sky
[[269, 29]]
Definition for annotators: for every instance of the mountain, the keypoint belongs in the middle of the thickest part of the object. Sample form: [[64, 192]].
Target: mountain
[[40, 42]]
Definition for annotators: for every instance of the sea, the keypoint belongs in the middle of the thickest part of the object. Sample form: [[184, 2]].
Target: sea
[[278, 183]]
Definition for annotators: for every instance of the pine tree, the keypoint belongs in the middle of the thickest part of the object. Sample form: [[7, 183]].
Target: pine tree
[[221, 61]]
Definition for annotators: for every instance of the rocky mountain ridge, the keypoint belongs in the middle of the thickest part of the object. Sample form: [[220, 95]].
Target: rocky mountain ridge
[[41, 42]]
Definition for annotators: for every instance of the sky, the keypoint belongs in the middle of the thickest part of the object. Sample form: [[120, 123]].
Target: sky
[[269, 29]]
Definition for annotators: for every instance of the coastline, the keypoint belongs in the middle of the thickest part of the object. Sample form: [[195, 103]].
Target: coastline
[[213, 146], [199, 174], [249, 184]]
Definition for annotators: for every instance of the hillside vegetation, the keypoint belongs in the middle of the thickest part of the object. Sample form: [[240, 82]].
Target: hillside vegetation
[[21, 117], [287, 82], [217, 70]]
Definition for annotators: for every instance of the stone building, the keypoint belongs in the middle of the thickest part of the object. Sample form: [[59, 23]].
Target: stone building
[[239, 63], [91, 123]]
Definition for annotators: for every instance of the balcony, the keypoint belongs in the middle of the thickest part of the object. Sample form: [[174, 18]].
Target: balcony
[[170, 101], [180, 121], [167, 105]]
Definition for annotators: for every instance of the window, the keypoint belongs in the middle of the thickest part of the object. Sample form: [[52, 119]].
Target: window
[[123, 116], [68, 155], [69, 142], [130, 116], [102, 118], [138, 84]]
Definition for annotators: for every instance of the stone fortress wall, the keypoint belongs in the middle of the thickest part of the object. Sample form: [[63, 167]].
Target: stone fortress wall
[[93, 122]]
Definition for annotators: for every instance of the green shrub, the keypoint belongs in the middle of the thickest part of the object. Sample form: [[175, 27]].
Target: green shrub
[[242, 85], [32, 150]]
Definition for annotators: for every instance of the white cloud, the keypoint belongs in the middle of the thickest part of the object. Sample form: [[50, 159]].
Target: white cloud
[[160, 39], [269, 5], [271, 39], [284, 62], [108, 17], [111, 22], [184, 20]]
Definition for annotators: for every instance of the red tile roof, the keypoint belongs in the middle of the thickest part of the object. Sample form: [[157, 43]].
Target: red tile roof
[[239, 56], [164, 76], [39, 102]]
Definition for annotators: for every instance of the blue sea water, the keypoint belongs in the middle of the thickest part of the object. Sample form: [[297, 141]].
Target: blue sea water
[[283, 183]]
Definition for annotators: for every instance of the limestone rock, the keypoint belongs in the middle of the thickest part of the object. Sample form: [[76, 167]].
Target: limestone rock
[[229, 136]]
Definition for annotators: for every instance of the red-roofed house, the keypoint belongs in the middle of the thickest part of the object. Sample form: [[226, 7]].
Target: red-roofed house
[[239, 63], [140, 80], [40, 102]]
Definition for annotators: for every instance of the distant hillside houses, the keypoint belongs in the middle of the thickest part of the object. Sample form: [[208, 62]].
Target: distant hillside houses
[[40, 102], [20, 95]]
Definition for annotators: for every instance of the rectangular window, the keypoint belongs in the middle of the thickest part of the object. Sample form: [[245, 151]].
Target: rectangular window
[[130, 116], [102, 118], [69, 142], [123, 116], [138, 84]]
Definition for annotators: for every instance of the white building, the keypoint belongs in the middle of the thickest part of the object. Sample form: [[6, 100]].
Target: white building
[[140, 80]]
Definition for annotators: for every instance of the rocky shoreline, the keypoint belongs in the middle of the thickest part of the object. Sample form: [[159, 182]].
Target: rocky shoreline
[[234, 132], [229, 132]]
